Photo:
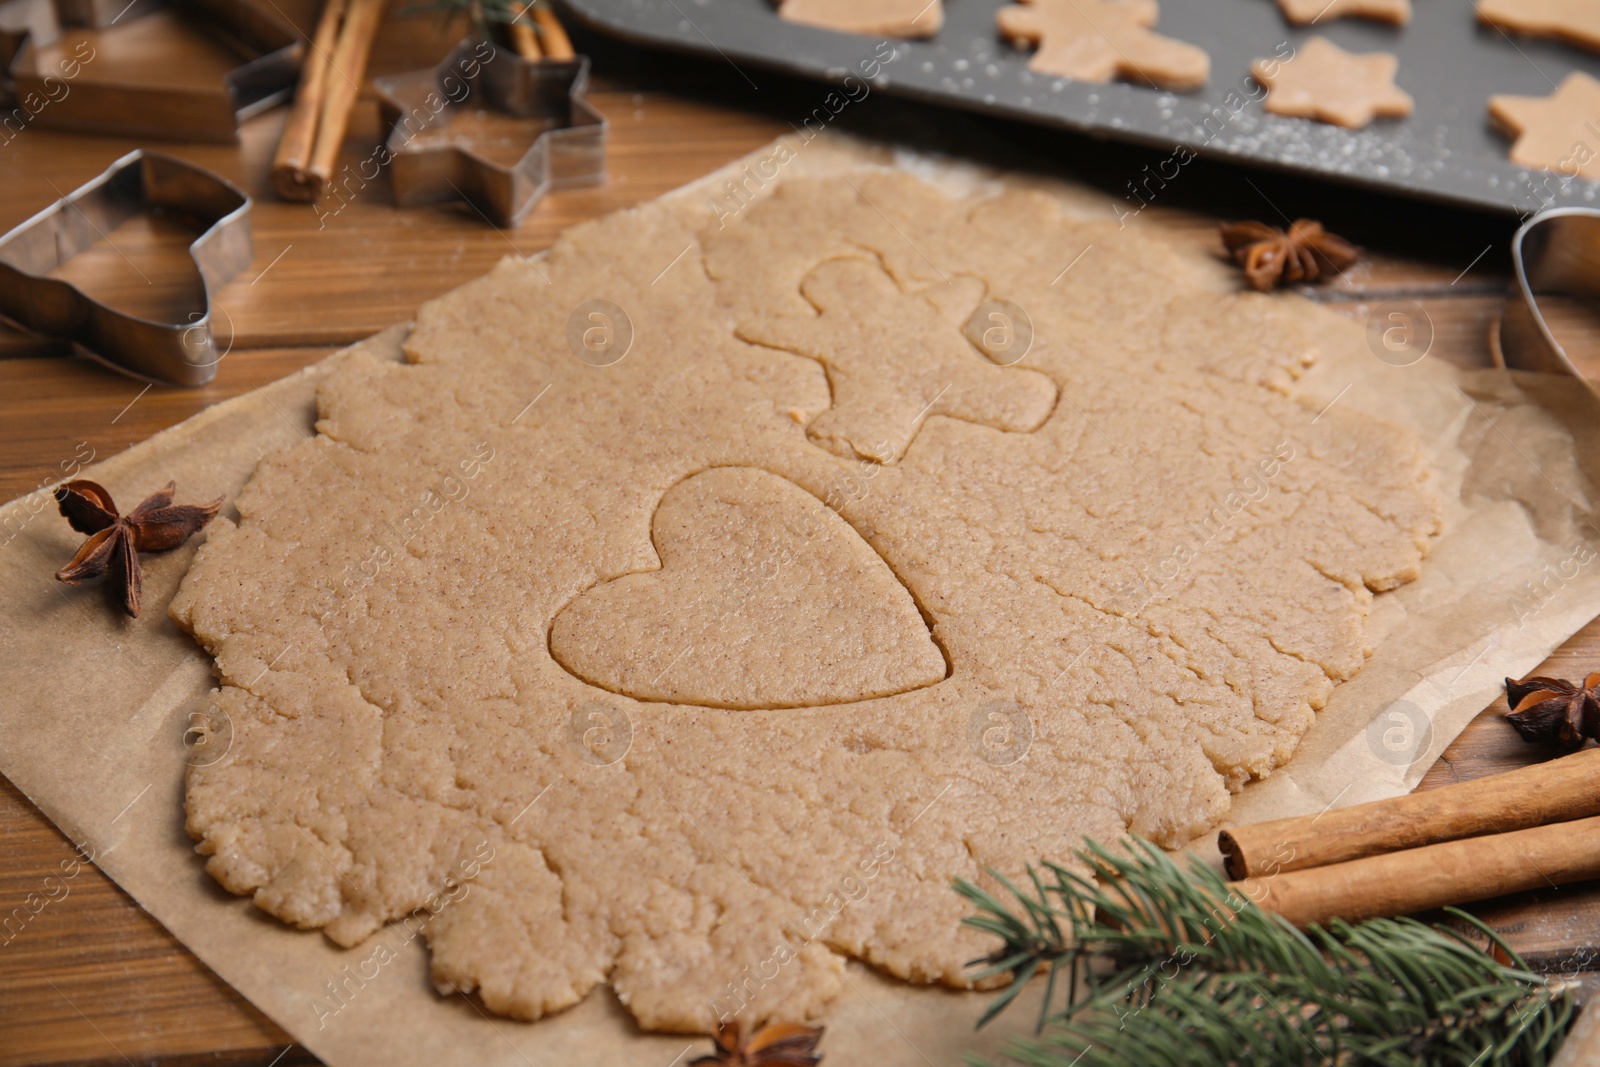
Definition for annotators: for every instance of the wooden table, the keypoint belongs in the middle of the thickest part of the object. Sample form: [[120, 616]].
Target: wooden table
[[93, 979]]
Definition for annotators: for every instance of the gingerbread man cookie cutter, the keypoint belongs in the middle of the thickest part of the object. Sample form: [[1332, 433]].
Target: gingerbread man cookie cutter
[[568, 155], [1555, 253], [182, 353]]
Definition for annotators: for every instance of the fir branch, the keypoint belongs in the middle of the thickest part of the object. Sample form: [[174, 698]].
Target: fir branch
[[1182, 971]]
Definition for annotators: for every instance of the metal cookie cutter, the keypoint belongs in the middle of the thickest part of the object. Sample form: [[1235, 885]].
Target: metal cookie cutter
[[19, 21], [182, 353], [53, 90], [429, 163], [1557, 252]]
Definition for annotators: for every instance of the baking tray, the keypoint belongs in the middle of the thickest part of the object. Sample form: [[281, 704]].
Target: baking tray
[[1449, 63]]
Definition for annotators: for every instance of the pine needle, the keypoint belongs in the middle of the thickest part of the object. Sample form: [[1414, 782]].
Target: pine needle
[[1182, 972]]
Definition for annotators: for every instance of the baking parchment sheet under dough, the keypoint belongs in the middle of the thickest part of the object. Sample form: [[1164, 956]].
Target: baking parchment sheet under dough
[[100, 747]]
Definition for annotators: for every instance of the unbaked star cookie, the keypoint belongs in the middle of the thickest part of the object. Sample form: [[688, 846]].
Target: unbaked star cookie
[[886, 18], [1098, 40], [1577, 21], [1306, 12], [1326, 83], [1560, 131]]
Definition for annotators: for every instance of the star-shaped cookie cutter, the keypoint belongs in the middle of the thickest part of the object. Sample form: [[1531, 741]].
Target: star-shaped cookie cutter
[[64, 101], [183, 353], [1557, 252], [570, 155]]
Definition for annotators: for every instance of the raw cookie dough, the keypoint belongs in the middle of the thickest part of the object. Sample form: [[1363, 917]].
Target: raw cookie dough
[[1306, 12], [1555, 131], [1328, 84], [1574, 21], [1098, 40], [1092, 591], [882, 18], [858, 326], [850, 629]]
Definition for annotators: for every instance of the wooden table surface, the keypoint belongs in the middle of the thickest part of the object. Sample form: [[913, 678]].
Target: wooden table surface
[[92, 979]]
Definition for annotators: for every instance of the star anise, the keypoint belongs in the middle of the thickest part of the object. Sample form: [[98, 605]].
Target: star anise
[[1270, 257], [115, 540], [1555, 712], [774, 1045]]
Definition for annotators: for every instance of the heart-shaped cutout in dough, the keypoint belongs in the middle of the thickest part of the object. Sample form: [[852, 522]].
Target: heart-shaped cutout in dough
[[765, 598]]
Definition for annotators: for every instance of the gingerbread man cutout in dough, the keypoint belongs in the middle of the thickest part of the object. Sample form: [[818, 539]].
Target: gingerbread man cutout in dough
[[894, 359], [1097, 40], [1553, 131], [1577, 21], [1326, 83], [1307, 12]]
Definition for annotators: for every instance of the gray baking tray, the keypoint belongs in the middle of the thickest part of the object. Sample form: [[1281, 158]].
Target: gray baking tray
[[1444, 152]]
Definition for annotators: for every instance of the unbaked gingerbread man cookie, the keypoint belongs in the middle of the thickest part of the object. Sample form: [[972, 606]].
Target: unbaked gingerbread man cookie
[[1575, 21], [1556, 131], [1098, 40], [1326, 83], [1306, 12]]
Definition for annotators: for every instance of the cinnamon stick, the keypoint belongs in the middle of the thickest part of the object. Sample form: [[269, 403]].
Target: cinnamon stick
[[349, 65], [1555, 791], [523, 41], [556, 43], [1421, 878], [289, 175]]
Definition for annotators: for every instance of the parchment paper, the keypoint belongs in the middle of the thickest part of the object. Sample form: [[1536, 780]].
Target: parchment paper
[[100, 747]]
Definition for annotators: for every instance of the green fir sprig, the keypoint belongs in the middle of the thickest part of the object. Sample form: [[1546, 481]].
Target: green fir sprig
[[1179, 970]]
